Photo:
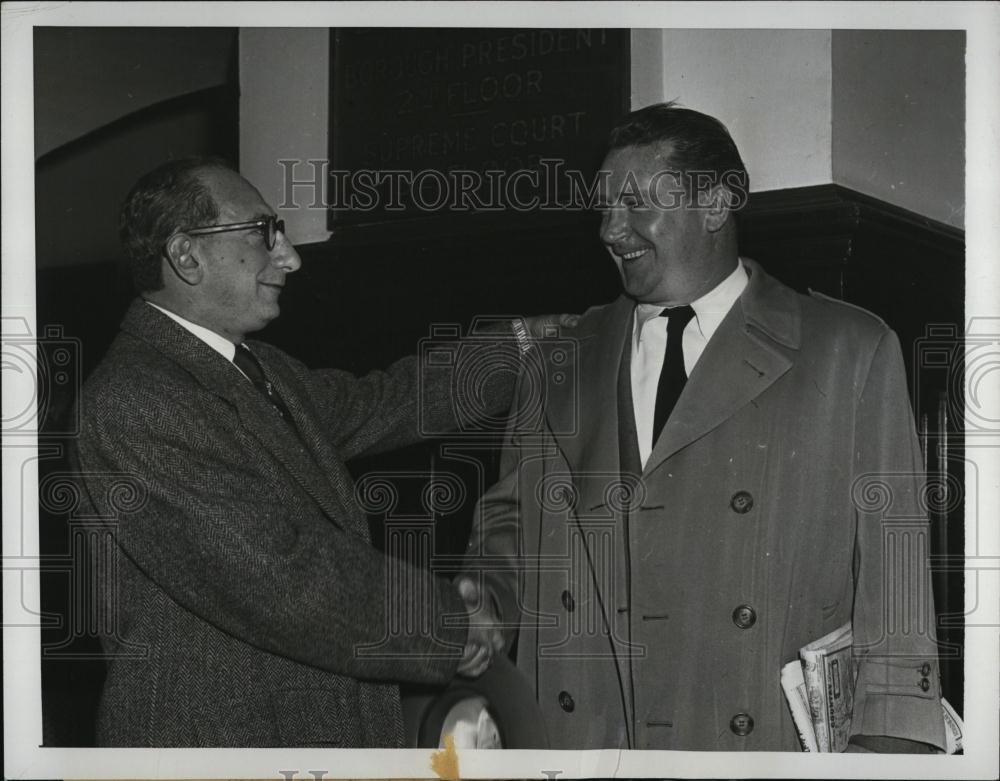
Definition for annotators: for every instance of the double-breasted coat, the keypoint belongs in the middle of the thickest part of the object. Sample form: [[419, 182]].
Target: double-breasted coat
[[248, 606], [656, 606]]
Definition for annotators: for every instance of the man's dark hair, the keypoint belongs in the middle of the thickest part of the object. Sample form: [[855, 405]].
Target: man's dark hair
[[163, 201], [699, 144]]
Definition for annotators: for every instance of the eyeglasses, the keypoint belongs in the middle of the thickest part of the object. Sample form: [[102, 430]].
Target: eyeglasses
[[271, 225]]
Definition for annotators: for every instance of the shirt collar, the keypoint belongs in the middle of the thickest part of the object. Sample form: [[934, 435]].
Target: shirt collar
[[219, 343], [709, 310]]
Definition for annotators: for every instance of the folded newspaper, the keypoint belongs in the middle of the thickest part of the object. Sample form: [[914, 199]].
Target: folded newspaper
[[819, 688]]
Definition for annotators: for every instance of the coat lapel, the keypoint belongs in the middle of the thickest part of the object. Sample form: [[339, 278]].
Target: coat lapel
[[331, 481], [582, 413], [742, 359], [222, 378], [583, 416]]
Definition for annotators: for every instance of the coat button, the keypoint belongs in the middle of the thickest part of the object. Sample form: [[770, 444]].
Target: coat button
[[925, 669], [741, 724], [568, 602], [924, 684], [744, 616], [566, 702], [741, 502]]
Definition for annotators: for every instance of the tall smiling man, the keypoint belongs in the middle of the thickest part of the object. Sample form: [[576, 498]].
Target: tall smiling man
[[250, 608], [668, 532]]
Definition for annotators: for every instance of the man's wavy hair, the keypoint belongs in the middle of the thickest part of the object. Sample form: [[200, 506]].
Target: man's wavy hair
[[167, 199], [700, 144]]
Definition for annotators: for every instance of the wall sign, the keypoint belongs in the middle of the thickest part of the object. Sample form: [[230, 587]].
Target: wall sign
[[432, 125]]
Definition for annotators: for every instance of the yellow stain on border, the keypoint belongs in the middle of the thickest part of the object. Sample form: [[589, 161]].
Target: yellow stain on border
[[445, 762]]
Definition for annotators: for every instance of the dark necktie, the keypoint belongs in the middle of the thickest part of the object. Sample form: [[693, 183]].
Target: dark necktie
[[672, 375], [247, 362]]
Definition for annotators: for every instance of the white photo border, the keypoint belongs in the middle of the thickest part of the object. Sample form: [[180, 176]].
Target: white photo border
[[24, 756]]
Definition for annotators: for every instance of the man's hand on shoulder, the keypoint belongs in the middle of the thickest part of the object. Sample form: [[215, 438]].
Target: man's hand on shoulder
[[529, 329], [541, 326], [485, 639]]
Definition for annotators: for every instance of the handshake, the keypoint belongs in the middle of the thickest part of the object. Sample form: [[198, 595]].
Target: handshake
[[485, 639]]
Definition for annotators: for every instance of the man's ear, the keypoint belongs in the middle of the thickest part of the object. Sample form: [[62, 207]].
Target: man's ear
[[180, 255], [717, 211]]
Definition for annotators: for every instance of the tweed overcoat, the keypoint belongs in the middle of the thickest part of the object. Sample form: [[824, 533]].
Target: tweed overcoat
[[658, 605], [249, 607]]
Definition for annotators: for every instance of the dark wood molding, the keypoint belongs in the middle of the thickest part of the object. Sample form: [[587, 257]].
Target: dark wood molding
[[830, 210], [858, 248]]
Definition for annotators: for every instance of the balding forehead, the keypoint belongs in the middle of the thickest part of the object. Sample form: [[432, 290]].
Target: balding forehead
[[222, 180], [233, 194]]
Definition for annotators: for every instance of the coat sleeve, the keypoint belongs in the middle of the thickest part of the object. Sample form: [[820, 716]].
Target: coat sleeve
[[228, 541], [898, 690], [459, 385]]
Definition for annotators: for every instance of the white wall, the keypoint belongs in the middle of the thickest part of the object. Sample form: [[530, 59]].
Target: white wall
[[771, 88], [899, 118], [879, 111], [284, 114], [647, 66]]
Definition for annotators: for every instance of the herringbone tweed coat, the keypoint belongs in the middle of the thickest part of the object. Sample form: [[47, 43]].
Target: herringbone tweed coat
[[657, 604], [245, 576]]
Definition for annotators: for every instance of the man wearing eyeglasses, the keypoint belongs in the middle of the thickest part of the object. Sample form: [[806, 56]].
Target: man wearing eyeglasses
[[250, 608]]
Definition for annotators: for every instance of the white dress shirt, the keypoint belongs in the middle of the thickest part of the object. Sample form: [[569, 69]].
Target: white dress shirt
[[649, 344], [217, 342]]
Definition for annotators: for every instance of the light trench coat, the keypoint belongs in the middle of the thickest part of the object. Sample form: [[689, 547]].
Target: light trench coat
[[654, 607]]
